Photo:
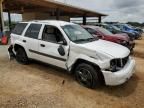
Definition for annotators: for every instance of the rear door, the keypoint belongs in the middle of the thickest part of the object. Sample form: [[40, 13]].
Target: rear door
[[51, 40], [30, 39]]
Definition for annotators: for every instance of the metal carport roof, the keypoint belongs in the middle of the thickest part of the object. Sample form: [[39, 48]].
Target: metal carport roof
[[20, 6], [52, 7]]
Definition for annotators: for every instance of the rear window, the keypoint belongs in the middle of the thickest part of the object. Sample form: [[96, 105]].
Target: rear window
[[19, 28], [33, 31]]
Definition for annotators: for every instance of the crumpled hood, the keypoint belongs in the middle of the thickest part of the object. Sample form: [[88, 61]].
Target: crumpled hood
[[109, 48]]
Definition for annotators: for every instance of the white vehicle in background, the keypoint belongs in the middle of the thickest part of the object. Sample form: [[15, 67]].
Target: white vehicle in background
[[69, 46]]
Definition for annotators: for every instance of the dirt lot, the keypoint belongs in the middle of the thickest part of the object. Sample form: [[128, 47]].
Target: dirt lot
[[40, 86]]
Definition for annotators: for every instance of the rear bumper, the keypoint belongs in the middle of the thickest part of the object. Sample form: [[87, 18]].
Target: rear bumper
[[120, 77], [11, 54]]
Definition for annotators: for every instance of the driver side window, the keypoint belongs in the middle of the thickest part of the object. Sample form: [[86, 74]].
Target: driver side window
[[52, 34]]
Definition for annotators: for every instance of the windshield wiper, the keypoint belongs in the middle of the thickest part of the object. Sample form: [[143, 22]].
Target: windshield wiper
[[79, 40], [91, 39], [88, 39]]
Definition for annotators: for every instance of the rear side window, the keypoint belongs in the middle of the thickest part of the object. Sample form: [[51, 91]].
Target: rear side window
[[19, 28], [33, 31]]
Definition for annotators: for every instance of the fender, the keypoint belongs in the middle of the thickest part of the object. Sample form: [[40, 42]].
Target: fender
[[73, 60], [23, 45], [78, 52]]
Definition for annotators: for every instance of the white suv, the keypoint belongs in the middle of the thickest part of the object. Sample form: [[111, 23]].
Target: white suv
[[69, 46]]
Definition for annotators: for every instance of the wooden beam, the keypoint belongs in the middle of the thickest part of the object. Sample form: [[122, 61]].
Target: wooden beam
[[57, 14], [99, 19], [84, 20], [9, 19]]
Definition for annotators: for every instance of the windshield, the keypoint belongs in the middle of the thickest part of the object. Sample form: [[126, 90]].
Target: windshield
[[116, 28], [128, 26], [78, 34], [104, 31]]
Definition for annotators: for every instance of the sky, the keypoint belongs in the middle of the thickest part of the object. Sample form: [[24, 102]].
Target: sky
[[117, 10]]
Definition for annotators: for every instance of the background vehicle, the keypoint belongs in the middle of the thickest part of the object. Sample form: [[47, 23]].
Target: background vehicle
[[130, 34], [139, 30], [71, 47], [3, 39], [107, 35], [112, 29], [126, 28], [116, 30], [1, 34]]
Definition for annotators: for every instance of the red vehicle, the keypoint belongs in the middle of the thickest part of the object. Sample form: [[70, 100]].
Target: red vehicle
[[107, 35], [3, 39]]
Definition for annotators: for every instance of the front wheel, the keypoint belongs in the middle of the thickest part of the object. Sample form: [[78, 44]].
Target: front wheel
[[21, 56], [87, 75]]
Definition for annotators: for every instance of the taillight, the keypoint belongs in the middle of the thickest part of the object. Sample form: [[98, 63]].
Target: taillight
[[12, 39]]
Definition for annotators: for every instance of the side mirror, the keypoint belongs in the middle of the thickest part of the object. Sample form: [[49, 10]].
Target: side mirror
[[61, 50], [64, 42]]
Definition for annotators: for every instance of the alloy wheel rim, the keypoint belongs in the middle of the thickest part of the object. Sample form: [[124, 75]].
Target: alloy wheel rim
[[84, 77]]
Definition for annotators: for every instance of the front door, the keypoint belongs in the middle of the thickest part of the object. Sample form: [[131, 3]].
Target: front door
[[52, 40]]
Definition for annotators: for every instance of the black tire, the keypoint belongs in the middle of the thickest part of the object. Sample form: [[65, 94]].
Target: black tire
[[21, 56], [87, 75]]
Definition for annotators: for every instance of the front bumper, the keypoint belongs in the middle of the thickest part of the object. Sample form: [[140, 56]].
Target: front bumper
[[120, 77]]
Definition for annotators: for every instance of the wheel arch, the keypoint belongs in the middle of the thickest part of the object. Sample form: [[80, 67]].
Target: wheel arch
[[16, 46], [79, 61], [24, 60]]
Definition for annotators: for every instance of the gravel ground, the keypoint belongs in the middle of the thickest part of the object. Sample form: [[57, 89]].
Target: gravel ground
[[42, 86]]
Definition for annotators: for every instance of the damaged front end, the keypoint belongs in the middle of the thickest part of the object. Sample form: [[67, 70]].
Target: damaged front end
[[118, 64]]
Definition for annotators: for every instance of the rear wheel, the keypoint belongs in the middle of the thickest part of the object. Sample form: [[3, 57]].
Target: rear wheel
[[87, 75], [21, 56]]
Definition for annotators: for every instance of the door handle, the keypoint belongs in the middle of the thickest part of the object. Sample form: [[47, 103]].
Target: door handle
[[24, 41], [42, 45]]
